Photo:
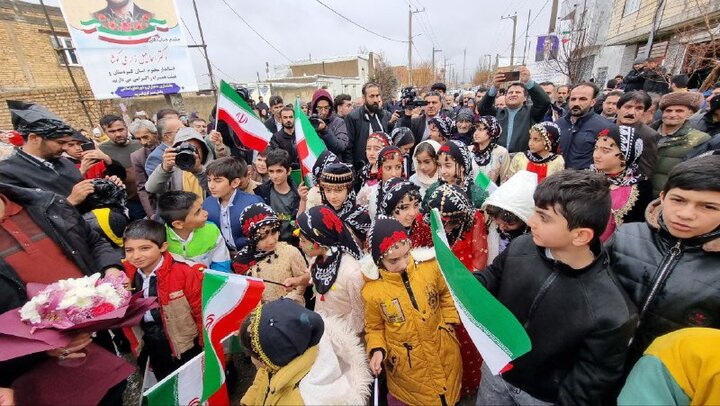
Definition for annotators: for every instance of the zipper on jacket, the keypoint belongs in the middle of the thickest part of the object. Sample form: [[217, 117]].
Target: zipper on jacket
[[665, 268], [409, 348], [543, 290], [406, 282]]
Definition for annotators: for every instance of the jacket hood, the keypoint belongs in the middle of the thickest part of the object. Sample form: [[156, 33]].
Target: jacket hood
[[187, 134], [421, 176], [320, 94], [516, 195], [709, 242]]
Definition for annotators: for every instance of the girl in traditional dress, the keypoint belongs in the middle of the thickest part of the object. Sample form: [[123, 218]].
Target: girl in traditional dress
[[492, 159], [617, 151], [541, 156]]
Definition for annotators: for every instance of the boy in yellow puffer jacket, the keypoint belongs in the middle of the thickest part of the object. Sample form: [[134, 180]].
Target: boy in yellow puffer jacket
[[409, 318]]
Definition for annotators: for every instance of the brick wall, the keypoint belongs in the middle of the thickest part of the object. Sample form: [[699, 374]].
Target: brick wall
[[63, 101]]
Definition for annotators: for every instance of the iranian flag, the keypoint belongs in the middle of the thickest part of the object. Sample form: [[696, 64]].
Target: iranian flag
[[485, 183], [308, 143], [497, 334], [238, 115], [182, 387], [226, 300]]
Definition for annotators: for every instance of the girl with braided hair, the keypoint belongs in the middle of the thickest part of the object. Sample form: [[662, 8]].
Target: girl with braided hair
[[541, 156]]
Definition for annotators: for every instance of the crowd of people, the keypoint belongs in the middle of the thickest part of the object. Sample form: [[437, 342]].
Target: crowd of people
[[600, 233]]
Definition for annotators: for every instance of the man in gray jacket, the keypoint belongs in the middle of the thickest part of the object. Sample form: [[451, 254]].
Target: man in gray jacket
[[331, 128], [517, 118], [170, 176]]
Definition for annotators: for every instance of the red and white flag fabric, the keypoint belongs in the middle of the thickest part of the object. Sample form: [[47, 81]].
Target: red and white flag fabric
[[238, 115]]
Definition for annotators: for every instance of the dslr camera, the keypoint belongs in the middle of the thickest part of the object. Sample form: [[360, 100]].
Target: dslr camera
[[185, 158]]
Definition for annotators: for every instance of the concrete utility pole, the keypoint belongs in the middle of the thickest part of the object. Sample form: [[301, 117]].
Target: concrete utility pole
[[410, 42], [444, 70], [527, 33], [553, 16], [434, 51], [497, 61], [514, 20]]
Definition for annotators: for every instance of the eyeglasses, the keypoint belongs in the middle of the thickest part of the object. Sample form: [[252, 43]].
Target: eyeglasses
[[323, 108]]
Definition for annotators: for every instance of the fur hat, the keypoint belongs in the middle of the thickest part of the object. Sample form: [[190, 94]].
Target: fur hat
[[691, 100]]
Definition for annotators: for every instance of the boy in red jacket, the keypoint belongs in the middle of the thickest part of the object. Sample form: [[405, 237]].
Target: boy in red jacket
[[171, 334]]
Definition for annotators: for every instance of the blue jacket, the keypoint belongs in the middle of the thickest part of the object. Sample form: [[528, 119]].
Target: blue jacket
[[577, 141], [238, 204]]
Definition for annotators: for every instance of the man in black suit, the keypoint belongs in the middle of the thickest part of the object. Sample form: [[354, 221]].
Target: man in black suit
[[274, 124]]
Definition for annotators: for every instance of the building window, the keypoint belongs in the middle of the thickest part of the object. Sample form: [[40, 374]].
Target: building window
[[65, 42], [631, 6]]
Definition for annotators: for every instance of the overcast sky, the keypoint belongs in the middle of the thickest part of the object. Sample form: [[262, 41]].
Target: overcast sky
[[300, 29]]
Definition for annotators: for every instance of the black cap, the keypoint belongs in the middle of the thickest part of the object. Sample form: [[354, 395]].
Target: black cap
[[32, 118]]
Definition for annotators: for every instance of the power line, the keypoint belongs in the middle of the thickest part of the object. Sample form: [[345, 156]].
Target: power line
[[531, 22], [187, 29], [358, 25], [256, 32]]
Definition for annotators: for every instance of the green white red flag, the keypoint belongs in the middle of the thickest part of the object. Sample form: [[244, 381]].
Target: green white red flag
[[238, 115], [497, 334], [226, 300], [182, 387], [485, 183], [307, 141]]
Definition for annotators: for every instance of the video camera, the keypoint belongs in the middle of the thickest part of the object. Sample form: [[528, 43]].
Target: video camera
[[185, 158], [410, 99]]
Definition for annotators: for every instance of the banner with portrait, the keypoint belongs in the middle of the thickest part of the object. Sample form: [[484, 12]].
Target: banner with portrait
[[547, 48], [130, 48]]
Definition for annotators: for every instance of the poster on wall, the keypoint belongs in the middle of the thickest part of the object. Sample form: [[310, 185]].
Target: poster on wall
[[547, 48], [130, 48]]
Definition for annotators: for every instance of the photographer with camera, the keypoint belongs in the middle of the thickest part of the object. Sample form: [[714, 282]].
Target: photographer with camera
[[331, 129], [183, 165], [39, 163]]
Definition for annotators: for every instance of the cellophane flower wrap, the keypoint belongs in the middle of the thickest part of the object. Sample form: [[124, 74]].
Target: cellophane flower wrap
[[68, 302]]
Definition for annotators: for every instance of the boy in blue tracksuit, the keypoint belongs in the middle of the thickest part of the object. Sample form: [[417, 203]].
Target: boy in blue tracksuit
[[227, 201]]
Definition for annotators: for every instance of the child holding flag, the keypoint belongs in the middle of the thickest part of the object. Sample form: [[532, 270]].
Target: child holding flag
[[267, 258], [409, 318]]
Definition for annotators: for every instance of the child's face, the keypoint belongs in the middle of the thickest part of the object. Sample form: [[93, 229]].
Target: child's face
[[143, 254], [606, 156], [220, 187], [405, 149], [435, 134], [536, 144], [335, 194], [448, 169], [398, 257], [269, 236], [481, 135], [406, 211], [392, 168], [550, 229], [309, 248], [690, 213], [196, 217], [372, 149], [260, 165], [426, 164], [278, 174]]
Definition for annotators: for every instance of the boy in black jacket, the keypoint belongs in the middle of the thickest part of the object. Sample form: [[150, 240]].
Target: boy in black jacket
[[557, 282]]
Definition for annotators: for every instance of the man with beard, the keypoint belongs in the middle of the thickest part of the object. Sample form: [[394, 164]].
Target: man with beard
[[517, 117], [365, 120], [119, 148], [580, 126], [285, 138], [419, 126], [555, 111], [331, 129], [39, 163], [631, 108]]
